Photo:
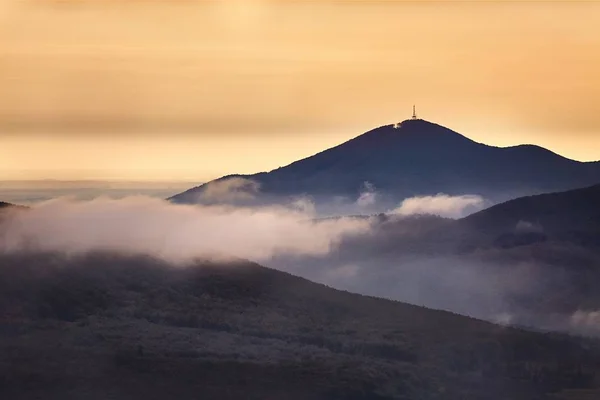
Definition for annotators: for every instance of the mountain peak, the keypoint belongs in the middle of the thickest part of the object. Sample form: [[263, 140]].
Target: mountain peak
[[417, 157], [413, 122], [413, 132], [421, 124]]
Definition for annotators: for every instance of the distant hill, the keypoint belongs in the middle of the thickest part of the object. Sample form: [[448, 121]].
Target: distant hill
[[418, 157], [106, 326], [553, 213], [535, 258]]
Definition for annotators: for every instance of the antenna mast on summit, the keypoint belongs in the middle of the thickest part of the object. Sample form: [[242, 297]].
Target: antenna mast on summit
[[414, 116]]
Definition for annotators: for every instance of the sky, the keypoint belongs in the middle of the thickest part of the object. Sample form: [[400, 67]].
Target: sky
[[190, 90]]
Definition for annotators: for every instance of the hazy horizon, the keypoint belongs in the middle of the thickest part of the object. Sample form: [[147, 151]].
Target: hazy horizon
[[28, 192]]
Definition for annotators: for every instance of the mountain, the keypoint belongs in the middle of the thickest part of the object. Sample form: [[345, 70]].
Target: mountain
[[553, 213], [533, 260], [418, 157], [104, 326]]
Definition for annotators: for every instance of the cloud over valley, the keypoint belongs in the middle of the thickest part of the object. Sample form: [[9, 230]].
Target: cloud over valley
[[173, 232]]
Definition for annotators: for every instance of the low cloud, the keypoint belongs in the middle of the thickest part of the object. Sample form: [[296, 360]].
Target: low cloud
[[528, 227], [229, 190], [368, 196], [304, 204], [173, 232], [341, 273], [442, 205], [587, 322], [503, 319]]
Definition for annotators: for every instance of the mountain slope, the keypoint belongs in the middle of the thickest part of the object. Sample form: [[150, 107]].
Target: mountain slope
[[534, 260], [554, 213], [106, 326], [420, 158]]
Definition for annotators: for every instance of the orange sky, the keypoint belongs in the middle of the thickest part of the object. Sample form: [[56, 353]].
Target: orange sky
[[184, 89]]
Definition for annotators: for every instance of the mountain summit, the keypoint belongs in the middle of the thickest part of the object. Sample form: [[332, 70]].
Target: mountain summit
[[418, 157]]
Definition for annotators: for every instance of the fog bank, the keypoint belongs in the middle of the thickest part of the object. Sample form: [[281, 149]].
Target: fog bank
[[172, 232]]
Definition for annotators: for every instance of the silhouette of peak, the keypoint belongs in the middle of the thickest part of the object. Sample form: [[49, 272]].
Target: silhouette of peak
[[420, 157], [414, 133], [412, 122], [420, 125]]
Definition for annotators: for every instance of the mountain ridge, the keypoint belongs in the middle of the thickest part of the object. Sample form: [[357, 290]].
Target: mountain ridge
[[416, 158], [555, 212], [124, 327]]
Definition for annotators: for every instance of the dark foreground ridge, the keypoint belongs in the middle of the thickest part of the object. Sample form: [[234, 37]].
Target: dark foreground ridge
[[418, 157], [121, 327]]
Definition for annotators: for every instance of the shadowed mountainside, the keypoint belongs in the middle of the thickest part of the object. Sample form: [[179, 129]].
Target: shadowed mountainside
[[555, 213], [418, 158], [106, 326]]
